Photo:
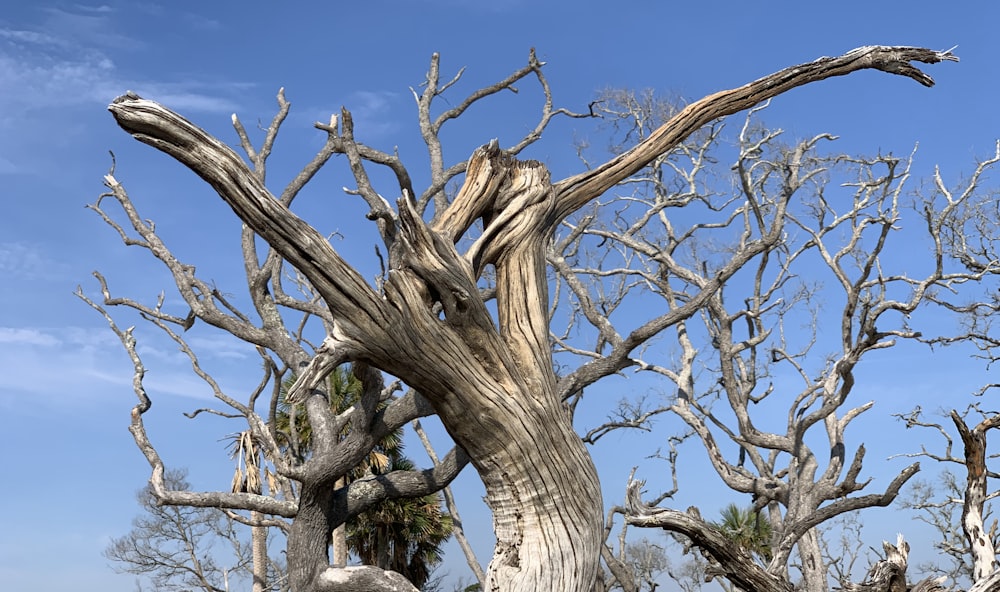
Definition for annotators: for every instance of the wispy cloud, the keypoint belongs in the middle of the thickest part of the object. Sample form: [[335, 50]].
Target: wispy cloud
[[20, 260], [48, 363], [45, 84], [79, 365], [66, 62], [7, 167], [60, 60], [372, 112], [180, 98], [63, 61], [100, 9], [224, 346], [199, 22], [16, 336], [87, 26]]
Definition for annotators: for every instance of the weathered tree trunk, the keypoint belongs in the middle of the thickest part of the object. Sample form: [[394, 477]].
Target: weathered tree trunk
[[889, 574], [502, 408], [814, 578], [491, 382], [991, 583]]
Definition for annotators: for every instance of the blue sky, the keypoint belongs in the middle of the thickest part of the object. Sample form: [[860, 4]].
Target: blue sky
[[70, 464]]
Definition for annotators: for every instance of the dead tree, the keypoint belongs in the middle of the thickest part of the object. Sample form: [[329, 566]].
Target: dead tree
[[978, 546], [889, 573], [168, 544], [732, 354], [743, 361], [489, 379]]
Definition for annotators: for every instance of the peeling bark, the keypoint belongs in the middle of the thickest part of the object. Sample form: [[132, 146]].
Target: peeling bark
[[984, 555]]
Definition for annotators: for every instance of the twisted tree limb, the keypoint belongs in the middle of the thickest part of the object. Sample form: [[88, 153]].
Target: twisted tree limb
[[734, 562]]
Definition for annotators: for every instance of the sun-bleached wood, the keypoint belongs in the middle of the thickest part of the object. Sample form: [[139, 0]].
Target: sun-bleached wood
[[491, 381]]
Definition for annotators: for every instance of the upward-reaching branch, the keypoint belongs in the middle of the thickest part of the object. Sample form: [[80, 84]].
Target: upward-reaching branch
[[341, 286], [574, 192]]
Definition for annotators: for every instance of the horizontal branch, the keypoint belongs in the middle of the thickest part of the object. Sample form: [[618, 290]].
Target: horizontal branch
[[735, 562], [851, 504], [223, 500], [364, 493]]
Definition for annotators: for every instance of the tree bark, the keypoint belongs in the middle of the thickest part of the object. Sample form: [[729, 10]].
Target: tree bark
[[309, 538], [814, 577], [984, 555], [258, 542], [340, 538]]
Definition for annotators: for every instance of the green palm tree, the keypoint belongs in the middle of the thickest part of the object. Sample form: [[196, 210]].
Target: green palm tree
[[343, 390], [404, 535], [747, 528]]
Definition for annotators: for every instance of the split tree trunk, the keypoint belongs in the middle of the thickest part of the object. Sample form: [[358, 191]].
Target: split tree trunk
[[813, 568]]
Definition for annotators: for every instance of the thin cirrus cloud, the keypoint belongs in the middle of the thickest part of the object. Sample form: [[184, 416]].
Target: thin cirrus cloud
[[52, 72], [60, 60], [24, 261], [64, 73], [92, 364], [68, 358], [64, 60], [29, 337]]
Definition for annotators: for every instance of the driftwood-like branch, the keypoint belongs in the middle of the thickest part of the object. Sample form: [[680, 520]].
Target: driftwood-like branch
[[735, 562], [889, 574], [430, 125], [578, 190], [343, 288]]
